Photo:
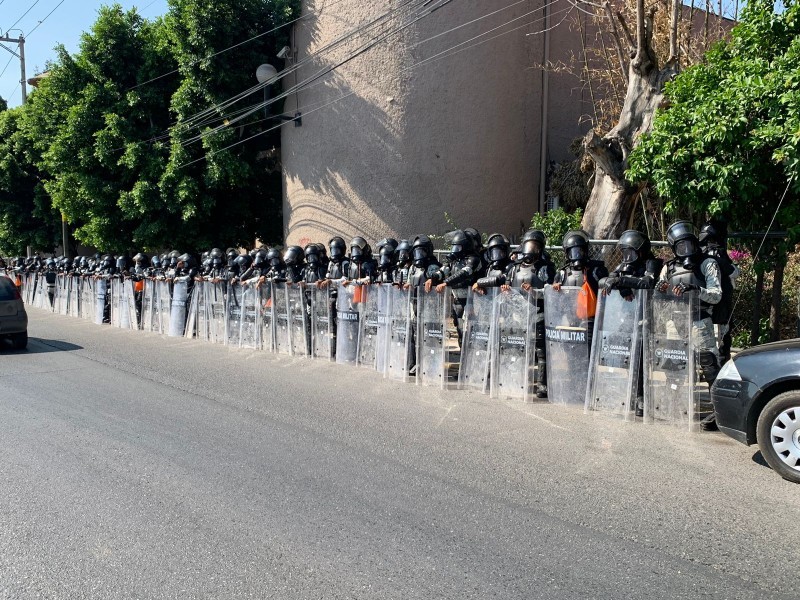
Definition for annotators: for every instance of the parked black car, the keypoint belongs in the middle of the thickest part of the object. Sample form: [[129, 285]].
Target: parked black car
[[756, 399], [13, 318]]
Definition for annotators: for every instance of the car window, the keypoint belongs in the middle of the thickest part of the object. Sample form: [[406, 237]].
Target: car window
[[6, 289]]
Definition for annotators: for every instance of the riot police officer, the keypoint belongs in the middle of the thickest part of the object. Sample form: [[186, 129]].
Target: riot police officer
[[387, 260], [362, 267], [713, 242], [293, 258], [403, 263], [532, 270], [463, 270], [498, 250], [637, 271], [315, 268], [689, 271], [579, 269]]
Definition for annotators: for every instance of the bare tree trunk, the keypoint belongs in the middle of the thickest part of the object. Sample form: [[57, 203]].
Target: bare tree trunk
[[777, 300], [613, 200]]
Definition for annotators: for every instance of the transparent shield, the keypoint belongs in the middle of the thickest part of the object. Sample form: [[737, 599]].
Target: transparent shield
[[200, 296], [164, 304], [217, 312], [116, 293], [130, 304], [298, 309], [368, 332], [347, 325], [399, 344], [477, 345], [670, 393], [282, 318], [567, 346], [177, 317], [251, 325], [190, 330], [513, 363], [321, 324], [100, 289], [148, 305], [616, 355], [433, 314], [233, 318], [267, 318], [384, 322]]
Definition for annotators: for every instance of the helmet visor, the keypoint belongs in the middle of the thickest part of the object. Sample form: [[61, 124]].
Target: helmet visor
[[576, 253], [497, 253], [685, 248], [629, 255], [420, 253]]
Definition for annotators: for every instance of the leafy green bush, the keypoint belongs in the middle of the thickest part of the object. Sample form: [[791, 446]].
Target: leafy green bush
[[555, 223]]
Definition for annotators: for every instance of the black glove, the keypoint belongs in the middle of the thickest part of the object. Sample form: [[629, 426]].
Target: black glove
[[610, 283], [687, 287]]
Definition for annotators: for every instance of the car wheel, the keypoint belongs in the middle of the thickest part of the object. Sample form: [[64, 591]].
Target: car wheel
[[20, 340], [778, 433]]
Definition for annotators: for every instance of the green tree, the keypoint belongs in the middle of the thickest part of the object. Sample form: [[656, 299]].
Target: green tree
[[27, 217], [729, 142], [219, 194]]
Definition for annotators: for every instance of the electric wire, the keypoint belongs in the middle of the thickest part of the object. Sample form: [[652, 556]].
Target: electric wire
[[442, 55], [45, 18], [23, 15], [6, 67]]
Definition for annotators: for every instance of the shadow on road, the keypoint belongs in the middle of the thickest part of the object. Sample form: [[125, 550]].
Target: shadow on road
[[759, 460], [38, 346]]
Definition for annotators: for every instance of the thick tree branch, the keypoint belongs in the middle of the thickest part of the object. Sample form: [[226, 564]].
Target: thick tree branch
[[673, 32], [617, 41], [628, 36]]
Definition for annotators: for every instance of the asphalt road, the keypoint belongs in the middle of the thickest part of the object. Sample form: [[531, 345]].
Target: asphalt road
[[136, 466]]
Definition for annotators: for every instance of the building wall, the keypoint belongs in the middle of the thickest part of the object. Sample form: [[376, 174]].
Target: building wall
[[388, 146]]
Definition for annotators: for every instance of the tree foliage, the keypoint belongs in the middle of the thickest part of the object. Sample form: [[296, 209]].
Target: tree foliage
[[106, 139], [729, 142]]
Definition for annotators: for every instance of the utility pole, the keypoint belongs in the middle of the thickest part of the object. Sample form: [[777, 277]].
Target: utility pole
[[23, 82]]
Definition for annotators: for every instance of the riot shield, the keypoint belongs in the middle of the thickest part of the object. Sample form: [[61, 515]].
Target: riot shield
[[384, 323], [177, 315], [567, 346], [514, 360], [201, 319], [87, 298], [116, 301], [670, 391], [616, 355], [191, 314], [164, 306], [128, 316], [267, 318], [433, 312], [100, 290], [63, 293], [148, 305], [74, 296], [250, 323], [400, 340], [233, 319], [368, 330], [477, 344], [282, 318], [298, 318], [322, 337], [217, 313], [347, 324]]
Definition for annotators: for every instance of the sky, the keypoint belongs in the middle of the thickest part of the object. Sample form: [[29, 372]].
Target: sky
[[64, 26]]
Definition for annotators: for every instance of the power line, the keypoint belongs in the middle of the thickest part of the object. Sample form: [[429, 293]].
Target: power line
[[6, 67], [439, 56], [45, 19], [23, 15]]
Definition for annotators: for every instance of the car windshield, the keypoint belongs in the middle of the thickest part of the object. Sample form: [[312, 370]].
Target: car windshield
[[6, 289]]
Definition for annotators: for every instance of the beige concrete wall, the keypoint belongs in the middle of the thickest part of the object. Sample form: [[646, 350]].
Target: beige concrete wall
[[459, 135]]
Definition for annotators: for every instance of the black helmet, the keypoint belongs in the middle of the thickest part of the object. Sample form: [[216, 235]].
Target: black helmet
[[461, 244], [359, 249], [475, 236], [230, 255], [106, 262], [387, 255], [140, 259], [313, 254], [634, 246], [243, 261], [422, 250], [187, 260], [156, 261], [683, 241], [123, 262], [173, 258], [274, 257], [497, 247], [532, 245], [576, 247], [338, 248], [386, 242], [714, 231], [260, 258], [215, 253], [404, 252], [293, 257]]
